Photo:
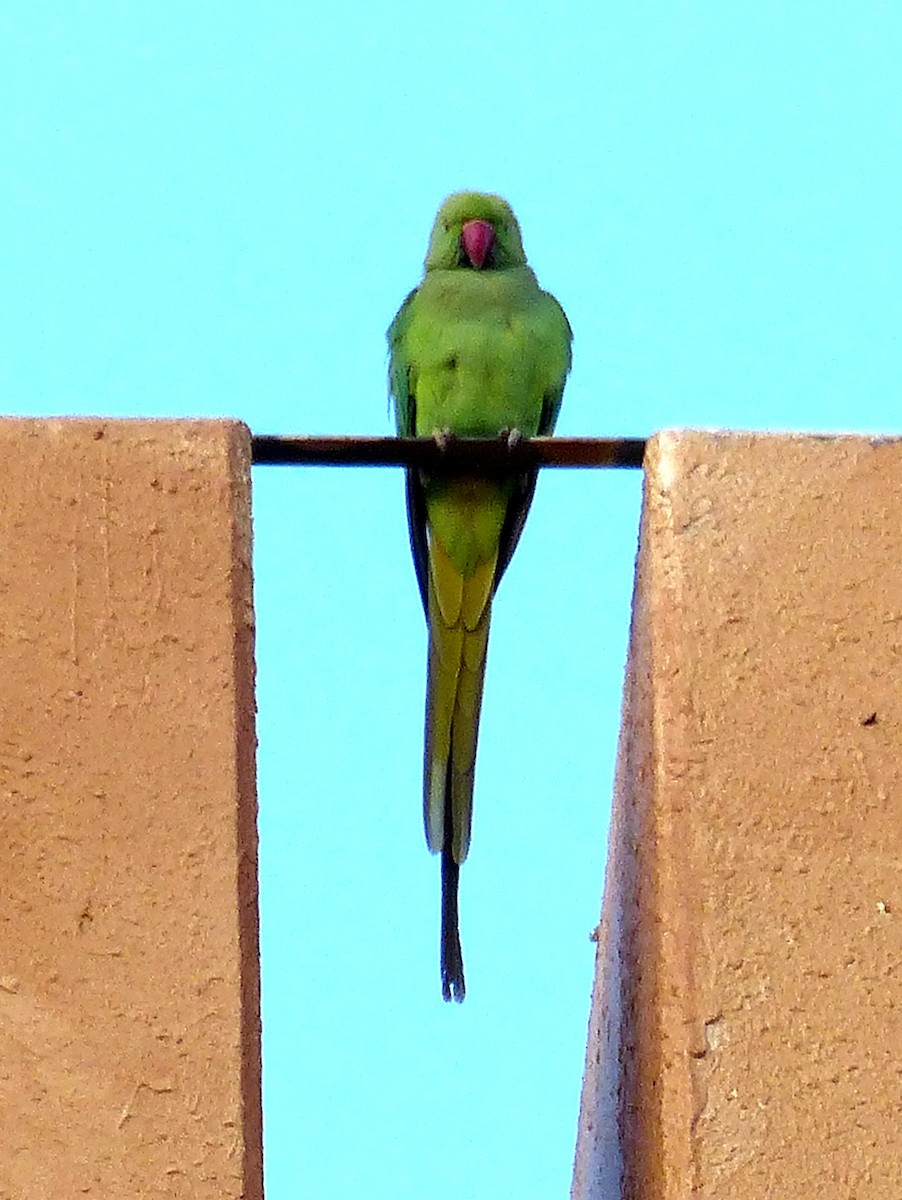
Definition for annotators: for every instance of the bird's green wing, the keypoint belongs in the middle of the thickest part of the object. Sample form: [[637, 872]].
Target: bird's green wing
[[518, 508], [399, 368], [559, 326], [401, 384]]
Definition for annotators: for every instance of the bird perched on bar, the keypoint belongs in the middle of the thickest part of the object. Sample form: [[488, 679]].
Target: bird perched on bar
[[476, 350]]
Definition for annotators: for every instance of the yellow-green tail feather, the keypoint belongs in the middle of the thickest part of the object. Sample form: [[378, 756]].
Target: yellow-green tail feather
[[459, 612]]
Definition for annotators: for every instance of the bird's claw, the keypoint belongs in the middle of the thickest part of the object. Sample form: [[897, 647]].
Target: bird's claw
[[513, 437], [443, 438]]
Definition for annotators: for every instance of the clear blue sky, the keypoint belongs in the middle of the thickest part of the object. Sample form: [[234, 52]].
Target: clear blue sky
[[216, 208]]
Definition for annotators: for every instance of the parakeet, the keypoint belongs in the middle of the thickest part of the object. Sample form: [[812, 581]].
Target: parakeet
[[477, 350]]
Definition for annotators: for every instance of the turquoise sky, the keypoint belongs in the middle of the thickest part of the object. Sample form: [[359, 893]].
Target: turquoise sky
[[216, 208]]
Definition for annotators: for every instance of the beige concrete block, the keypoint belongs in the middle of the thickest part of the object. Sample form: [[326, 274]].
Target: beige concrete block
[[746, 1033], [129, 997]]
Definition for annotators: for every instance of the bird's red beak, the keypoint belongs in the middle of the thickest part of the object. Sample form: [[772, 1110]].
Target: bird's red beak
[[476, 238]]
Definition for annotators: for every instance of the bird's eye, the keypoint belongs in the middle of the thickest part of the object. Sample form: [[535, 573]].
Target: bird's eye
[[447, 227]]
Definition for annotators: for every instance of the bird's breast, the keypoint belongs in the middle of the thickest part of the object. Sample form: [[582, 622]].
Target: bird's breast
[[477, 358]]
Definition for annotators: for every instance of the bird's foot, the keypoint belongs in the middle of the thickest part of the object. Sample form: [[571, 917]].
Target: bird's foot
[[443, 438], [513, 437]]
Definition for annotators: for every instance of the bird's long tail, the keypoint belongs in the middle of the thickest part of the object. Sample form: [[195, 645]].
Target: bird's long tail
[[459, 616], [452, 959]]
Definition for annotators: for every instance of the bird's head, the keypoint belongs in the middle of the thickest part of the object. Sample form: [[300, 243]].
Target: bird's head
[[475, 231]]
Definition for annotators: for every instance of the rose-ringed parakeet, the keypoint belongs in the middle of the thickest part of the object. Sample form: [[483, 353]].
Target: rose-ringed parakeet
[[477, 350]]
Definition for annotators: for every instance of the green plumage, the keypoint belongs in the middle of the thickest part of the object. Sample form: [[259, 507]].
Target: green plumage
[[477, 350]]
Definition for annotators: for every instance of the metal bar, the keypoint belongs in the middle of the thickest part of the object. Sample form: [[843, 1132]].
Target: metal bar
[[457, 454]]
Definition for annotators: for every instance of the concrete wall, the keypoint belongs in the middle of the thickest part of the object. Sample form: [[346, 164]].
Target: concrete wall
[[746, 1034], [129, 1005]]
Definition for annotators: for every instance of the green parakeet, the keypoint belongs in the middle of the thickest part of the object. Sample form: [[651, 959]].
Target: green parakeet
[[477, 350]]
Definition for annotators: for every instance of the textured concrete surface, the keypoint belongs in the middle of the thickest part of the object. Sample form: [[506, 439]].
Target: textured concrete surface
[[129, 1001], [747, 1018]]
